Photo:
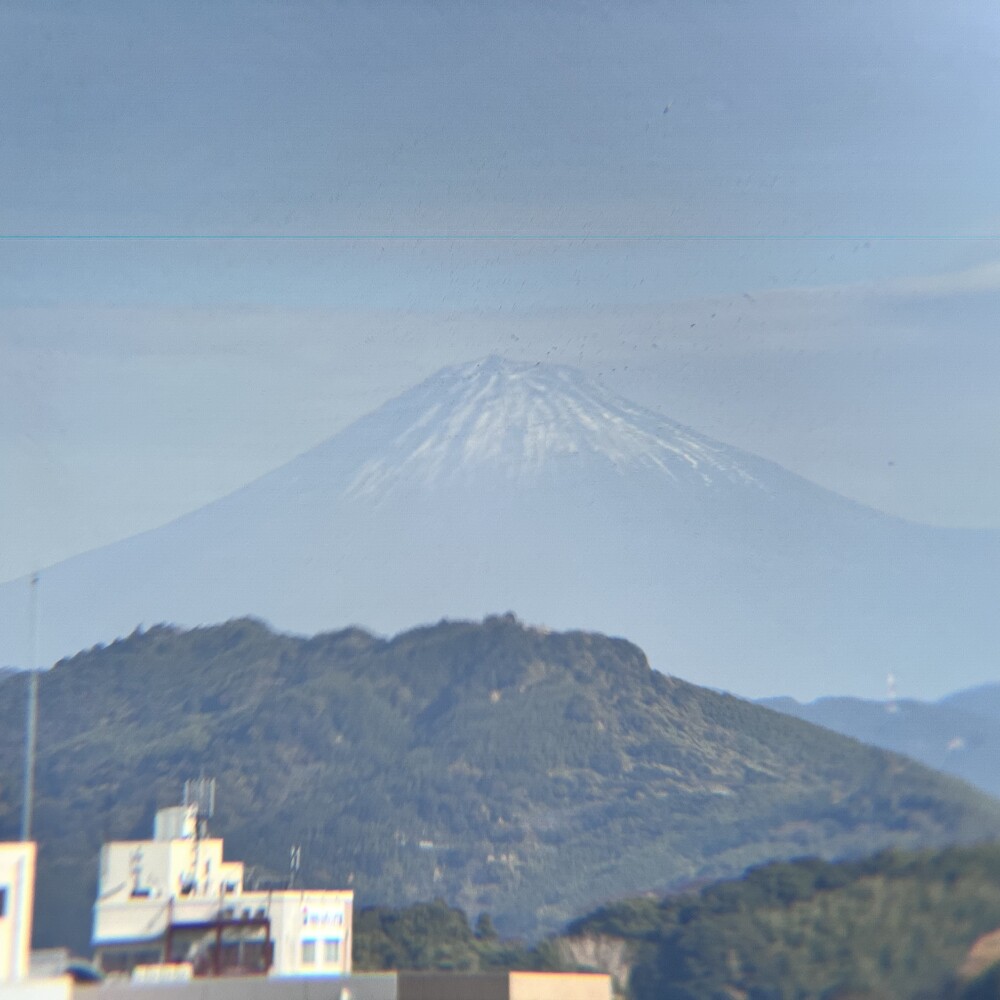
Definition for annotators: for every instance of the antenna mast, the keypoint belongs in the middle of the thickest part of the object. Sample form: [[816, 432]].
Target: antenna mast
[[200, 793], [31, 720]]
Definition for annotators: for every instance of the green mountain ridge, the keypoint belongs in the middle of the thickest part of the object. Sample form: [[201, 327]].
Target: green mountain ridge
[[503, 768], [898, 925]]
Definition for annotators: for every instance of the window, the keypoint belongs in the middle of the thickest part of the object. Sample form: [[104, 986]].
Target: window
[[308, 952], [331, 952], [3, 901]]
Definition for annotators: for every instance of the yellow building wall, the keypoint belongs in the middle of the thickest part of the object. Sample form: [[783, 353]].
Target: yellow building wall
[[559, 986]]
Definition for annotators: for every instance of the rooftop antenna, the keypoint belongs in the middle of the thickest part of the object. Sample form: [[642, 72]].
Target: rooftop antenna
[[31, 720], [294, 863], [200, 792]]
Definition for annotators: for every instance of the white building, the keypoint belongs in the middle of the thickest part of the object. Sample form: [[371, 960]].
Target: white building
[[17, 900], [173, 899]]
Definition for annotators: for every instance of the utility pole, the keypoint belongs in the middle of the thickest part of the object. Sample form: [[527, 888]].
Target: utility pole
[[31, 721]]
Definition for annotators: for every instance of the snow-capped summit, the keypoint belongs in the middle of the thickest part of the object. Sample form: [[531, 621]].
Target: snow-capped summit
[[498, 486], [514, 417]]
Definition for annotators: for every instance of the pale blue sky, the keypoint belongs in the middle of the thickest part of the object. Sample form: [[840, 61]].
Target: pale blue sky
[[797, 257]]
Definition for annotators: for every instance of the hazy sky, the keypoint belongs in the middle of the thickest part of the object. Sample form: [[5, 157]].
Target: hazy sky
[[231, 228]]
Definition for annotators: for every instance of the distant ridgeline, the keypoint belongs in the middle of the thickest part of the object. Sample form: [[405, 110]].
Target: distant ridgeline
[[959, 734], [505, 769]]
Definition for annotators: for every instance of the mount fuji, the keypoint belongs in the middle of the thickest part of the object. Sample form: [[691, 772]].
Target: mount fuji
[[498, 485]]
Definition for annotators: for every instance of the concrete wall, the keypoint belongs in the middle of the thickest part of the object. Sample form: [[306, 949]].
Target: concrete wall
[[365, 986], [453, 986], [372, 986], [54, 988]]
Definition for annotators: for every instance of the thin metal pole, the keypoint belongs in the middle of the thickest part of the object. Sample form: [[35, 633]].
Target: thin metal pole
[[31, 722]]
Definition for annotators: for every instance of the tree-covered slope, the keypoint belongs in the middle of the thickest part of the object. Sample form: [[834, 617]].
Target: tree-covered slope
[[503, 768], [898, 925], [435, 936]]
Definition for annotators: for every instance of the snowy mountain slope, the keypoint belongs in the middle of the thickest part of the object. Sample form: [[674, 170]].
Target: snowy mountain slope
[[517, 418], [500, 486]]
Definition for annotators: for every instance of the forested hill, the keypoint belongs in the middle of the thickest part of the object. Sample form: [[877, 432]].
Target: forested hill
[[502, 768], [904, 925], [901, 925]]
